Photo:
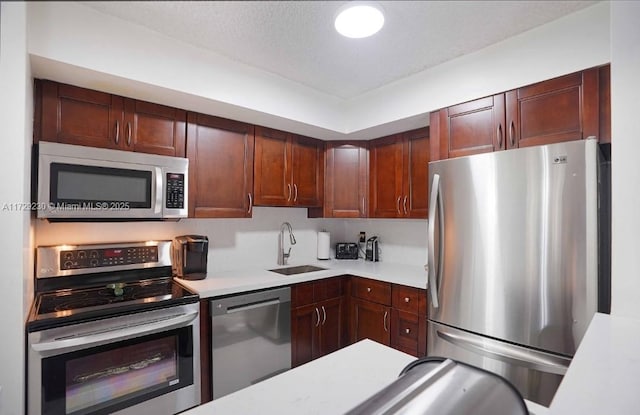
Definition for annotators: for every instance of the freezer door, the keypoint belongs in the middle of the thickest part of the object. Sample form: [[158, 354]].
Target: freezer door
[[535, 374], [517, 256]]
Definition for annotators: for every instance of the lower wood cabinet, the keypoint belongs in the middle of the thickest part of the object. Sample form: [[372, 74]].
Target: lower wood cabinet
[[391, 314], [317, 319], [370, 320]]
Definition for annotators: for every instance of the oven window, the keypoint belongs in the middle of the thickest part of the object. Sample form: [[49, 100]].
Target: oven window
[[92, 186], [107, 378]]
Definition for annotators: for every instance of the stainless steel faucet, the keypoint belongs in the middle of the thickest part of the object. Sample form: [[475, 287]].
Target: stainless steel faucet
[[282, 256]]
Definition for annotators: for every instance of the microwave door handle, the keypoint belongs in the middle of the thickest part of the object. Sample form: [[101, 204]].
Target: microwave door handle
[[158, 196]]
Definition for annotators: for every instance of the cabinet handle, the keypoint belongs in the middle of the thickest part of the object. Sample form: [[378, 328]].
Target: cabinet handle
[[250, 203], [128, 134], [499, 132], [295, 192], [404, 205], [407, 331], [406, 299], [384, 321], [117, 131], [512, 133], [398, 205], [364, 210], [318, 316], [289, 197], [324, 315], [368, 289]]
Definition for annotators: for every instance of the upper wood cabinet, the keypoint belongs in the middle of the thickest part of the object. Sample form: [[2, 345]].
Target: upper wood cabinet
[[570, 107], [154, 128], [220, 153], [72, 115], [399, 175], [346, 179], [288, 169]]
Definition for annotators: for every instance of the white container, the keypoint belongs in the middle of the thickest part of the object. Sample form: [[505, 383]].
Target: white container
[[324, 245]]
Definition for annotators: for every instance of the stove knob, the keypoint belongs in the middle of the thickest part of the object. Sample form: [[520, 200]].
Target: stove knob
[[68, 255], [82, 255], [68, 264], [94, 262], [93, 254]]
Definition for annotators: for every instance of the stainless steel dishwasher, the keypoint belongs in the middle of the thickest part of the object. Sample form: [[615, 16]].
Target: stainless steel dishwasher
[[251, 339]]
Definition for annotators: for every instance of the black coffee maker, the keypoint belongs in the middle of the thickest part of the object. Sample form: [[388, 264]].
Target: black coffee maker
[[189, 256]]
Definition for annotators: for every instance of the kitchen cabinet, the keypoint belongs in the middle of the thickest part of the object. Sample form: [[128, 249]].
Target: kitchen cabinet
[[73, 115], [288, 169], [346, 180], [570, 107], [391, 314], [399, 175], [317, 319], [409, 320], [370, 311], [220, 153]]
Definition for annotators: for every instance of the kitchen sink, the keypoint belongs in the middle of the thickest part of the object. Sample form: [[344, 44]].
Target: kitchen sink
[[300, 269]]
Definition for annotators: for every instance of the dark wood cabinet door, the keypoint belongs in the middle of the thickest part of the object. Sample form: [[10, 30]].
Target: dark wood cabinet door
[[72, 115], [305, 323], [154, 128], [330, 326], [560, 109], [416, 183], [220, 153], [272, 170], [346, 180], [307, 163], [370, 321], [473, 127], [386, 171]]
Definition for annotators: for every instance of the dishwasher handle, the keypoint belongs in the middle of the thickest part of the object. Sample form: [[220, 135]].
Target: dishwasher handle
[[248, 301]]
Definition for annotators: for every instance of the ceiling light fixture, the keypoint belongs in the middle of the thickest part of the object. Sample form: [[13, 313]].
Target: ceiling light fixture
[[357, 20]]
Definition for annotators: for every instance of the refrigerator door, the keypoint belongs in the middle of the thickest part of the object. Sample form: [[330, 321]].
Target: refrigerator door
[[535, 374], [513, 253]]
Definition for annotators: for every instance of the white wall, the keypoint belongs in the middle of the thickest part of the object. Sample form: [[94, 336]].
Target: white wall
[[625, 90], [16, 109]]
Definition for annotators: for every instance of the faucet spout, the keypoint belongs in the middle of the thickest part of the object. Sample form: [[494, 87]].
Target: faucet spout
[[282, 256]]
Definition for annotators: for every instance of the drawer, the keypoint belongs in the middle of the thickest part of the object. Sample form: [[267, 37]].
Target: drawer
[[372, 290], [404, 330], [301, 294], [407, 298], [327, 289]]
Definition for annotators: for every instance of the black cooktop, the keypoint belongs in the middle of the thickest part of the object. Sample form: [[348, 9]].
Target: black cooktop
[[70, 306]]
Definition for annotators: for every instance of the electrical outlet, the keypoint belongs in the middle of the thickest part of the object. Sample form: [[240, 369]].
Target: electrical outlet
[[363, 237]]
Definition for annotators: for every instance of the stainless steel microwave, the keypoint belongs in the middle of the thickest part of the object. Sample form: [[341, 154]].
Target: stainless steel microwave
[[84, 183]]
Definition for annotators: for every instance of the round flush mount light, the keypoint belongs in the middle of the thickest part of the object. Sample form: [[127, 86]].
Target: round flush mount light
[[358, 20]]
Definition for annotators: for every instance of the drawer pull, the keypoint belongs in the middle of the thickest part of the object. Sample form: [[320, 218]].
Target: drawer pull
[[406, 299], [407, 331], [368, 289]]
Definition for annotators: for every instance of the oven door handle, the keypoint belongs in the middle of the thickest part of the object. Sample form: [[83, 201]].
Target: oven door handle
[[112, 334]]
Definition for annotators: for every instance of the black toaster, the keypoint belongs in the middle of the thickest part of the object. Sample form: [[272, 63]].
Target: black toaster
[[346, 250]]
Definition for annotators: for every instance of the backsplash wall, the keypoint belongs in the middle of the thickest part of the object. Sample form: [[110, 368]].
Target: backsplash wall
[[238, 243]]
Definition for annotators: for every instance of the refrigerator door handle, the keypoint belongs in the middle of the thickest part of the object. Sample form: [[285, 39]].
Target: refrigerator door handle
[[432, 268], [529, 359]]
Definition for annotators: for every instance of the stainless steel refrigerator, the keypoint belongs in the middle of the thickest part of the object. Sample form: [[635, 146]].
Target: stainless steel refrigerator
[[513, 260]]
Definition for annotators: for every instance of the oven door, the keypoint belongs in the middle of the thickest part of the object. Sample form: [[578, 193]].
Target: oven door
[[142, 363]]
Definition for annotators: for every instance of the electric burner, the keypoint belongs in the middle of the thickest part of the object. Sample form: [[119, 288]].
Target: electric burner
[[91, 282]]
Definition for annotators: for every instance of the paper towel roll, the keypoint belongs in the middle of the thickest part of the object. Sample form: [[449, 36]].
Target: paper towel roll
[[323, 245]]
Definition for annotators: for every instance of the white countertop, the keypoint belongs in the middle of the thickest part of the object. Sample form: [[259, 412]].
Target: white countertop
[[333, 384], [253, 278], [604, 375]]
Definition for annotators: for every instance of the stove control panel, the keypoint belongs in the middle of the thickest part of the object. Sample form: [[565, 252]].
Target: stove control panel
[[107, 257]]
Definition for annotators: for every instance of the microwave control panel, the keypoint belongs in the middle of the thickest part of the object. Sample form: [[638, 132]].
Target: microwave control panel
[[175, 191]]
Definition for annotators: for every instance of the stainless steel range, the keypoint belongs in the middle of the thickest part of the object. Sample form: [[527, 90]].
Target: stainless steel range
[[110, 331]]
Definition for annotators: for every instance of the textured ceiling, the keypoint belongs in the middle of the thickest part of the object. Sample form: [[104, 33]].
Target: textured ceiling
[[297, 41]]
